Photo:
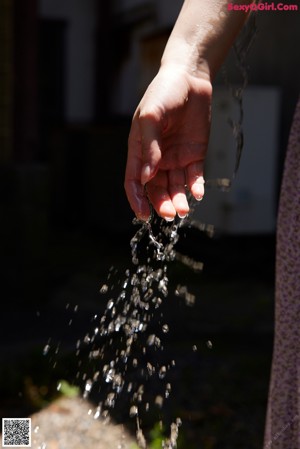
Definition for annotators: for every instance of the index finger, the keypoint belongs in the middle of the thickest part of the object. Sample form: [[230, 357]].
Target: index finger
[[134, 189]]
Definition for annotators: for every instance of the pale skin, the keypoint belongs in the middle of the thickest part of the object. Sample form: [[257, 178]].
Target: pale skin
[[170, 128]]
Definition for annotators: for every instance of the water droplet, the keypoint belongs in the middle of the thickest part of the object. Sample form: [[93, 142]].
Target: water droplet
[[157, 342], [141, 439], [110, 400], [168, 390], [88, 386], [104, 289], [97, 413], [209, 344], [133, 411], [174, 434], [165, 328], [134, 279], [109, 376], [150, 368], [178, 422], [46, 349], [159, 400], [151, 340], [95, 354], [148, 294], [162, 287], [110, 304], [162, 372], [87, 339]]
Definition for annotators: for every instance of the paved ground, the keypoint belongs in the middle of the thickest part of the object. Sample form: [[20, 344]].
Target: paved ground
[[69, 424]]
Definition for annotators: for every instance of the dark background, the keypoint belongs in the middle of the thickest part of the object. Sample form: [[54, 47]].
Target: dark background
[[65, 219]]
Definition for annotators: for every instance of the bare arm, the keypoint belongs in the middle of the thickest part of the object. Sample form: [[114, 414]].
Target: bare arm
[[203, 35]]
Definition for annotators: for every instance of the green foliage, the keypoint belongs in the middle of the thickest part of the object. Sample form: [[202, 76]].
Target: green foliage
[[157, 436], [66, 389]]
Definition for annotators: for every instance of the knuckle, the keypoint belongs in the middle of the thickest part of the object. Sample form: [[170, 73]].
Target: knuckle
[[150, 114]]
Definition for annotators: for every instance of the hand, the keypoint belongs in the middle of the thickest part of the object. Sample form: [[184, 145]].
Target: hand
[[167, 144]]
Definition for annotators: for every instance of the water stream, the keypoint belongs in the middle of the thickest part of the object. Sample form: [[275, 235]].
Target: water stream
[[127, 343], [125, 346]]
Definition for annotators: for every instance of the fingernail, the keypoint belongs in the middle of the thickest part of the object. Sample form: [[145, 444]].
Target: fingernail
[[169, 219], [182, 215], [198, 191], [142, 217]]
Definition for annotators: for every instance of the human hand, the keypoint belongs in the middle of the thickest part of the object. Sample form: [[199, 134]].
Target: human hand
[[167, 144]]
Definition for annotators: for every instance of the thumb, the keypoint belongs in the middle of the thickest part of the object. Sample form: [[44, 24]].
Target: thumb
[[151, 147]]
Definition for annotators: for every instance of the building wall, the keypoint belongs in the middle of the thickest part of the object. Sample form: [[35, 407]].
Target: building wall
[[81, 18], [249, 207], [153, 22]]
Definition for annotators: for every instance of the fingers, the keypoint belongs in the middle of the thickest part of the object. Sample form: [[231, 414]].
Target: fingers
[[157, 190], [138, 200], [134, 190], [166, 188], [150, 130], [144, 155], [178, 192], [195, 179], [166, 191]]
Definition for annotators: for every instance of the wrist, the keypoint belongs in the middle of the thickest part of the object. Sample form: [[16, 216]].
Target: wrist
[[187, 58]]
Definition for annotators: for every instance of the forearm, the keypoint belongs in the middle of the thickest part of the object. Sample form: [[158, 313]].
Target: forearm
[[203, 35]]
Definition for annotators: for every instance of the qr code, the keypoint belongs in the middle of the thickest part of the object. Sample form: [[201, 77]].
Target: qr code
[[16, 432]]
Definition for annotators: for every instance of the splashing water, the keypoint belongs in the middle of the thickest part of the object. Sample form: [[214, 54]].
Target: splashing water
[[241, 49], [125, 348]]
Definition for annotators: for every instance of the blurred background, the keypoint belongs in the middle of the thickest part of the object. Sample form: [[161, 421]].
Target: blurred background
[[71, 75]]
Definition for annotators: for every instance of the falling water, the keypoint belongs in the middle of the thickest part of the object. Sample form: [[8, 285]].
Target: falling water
[[241, 49], [125, 345]]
